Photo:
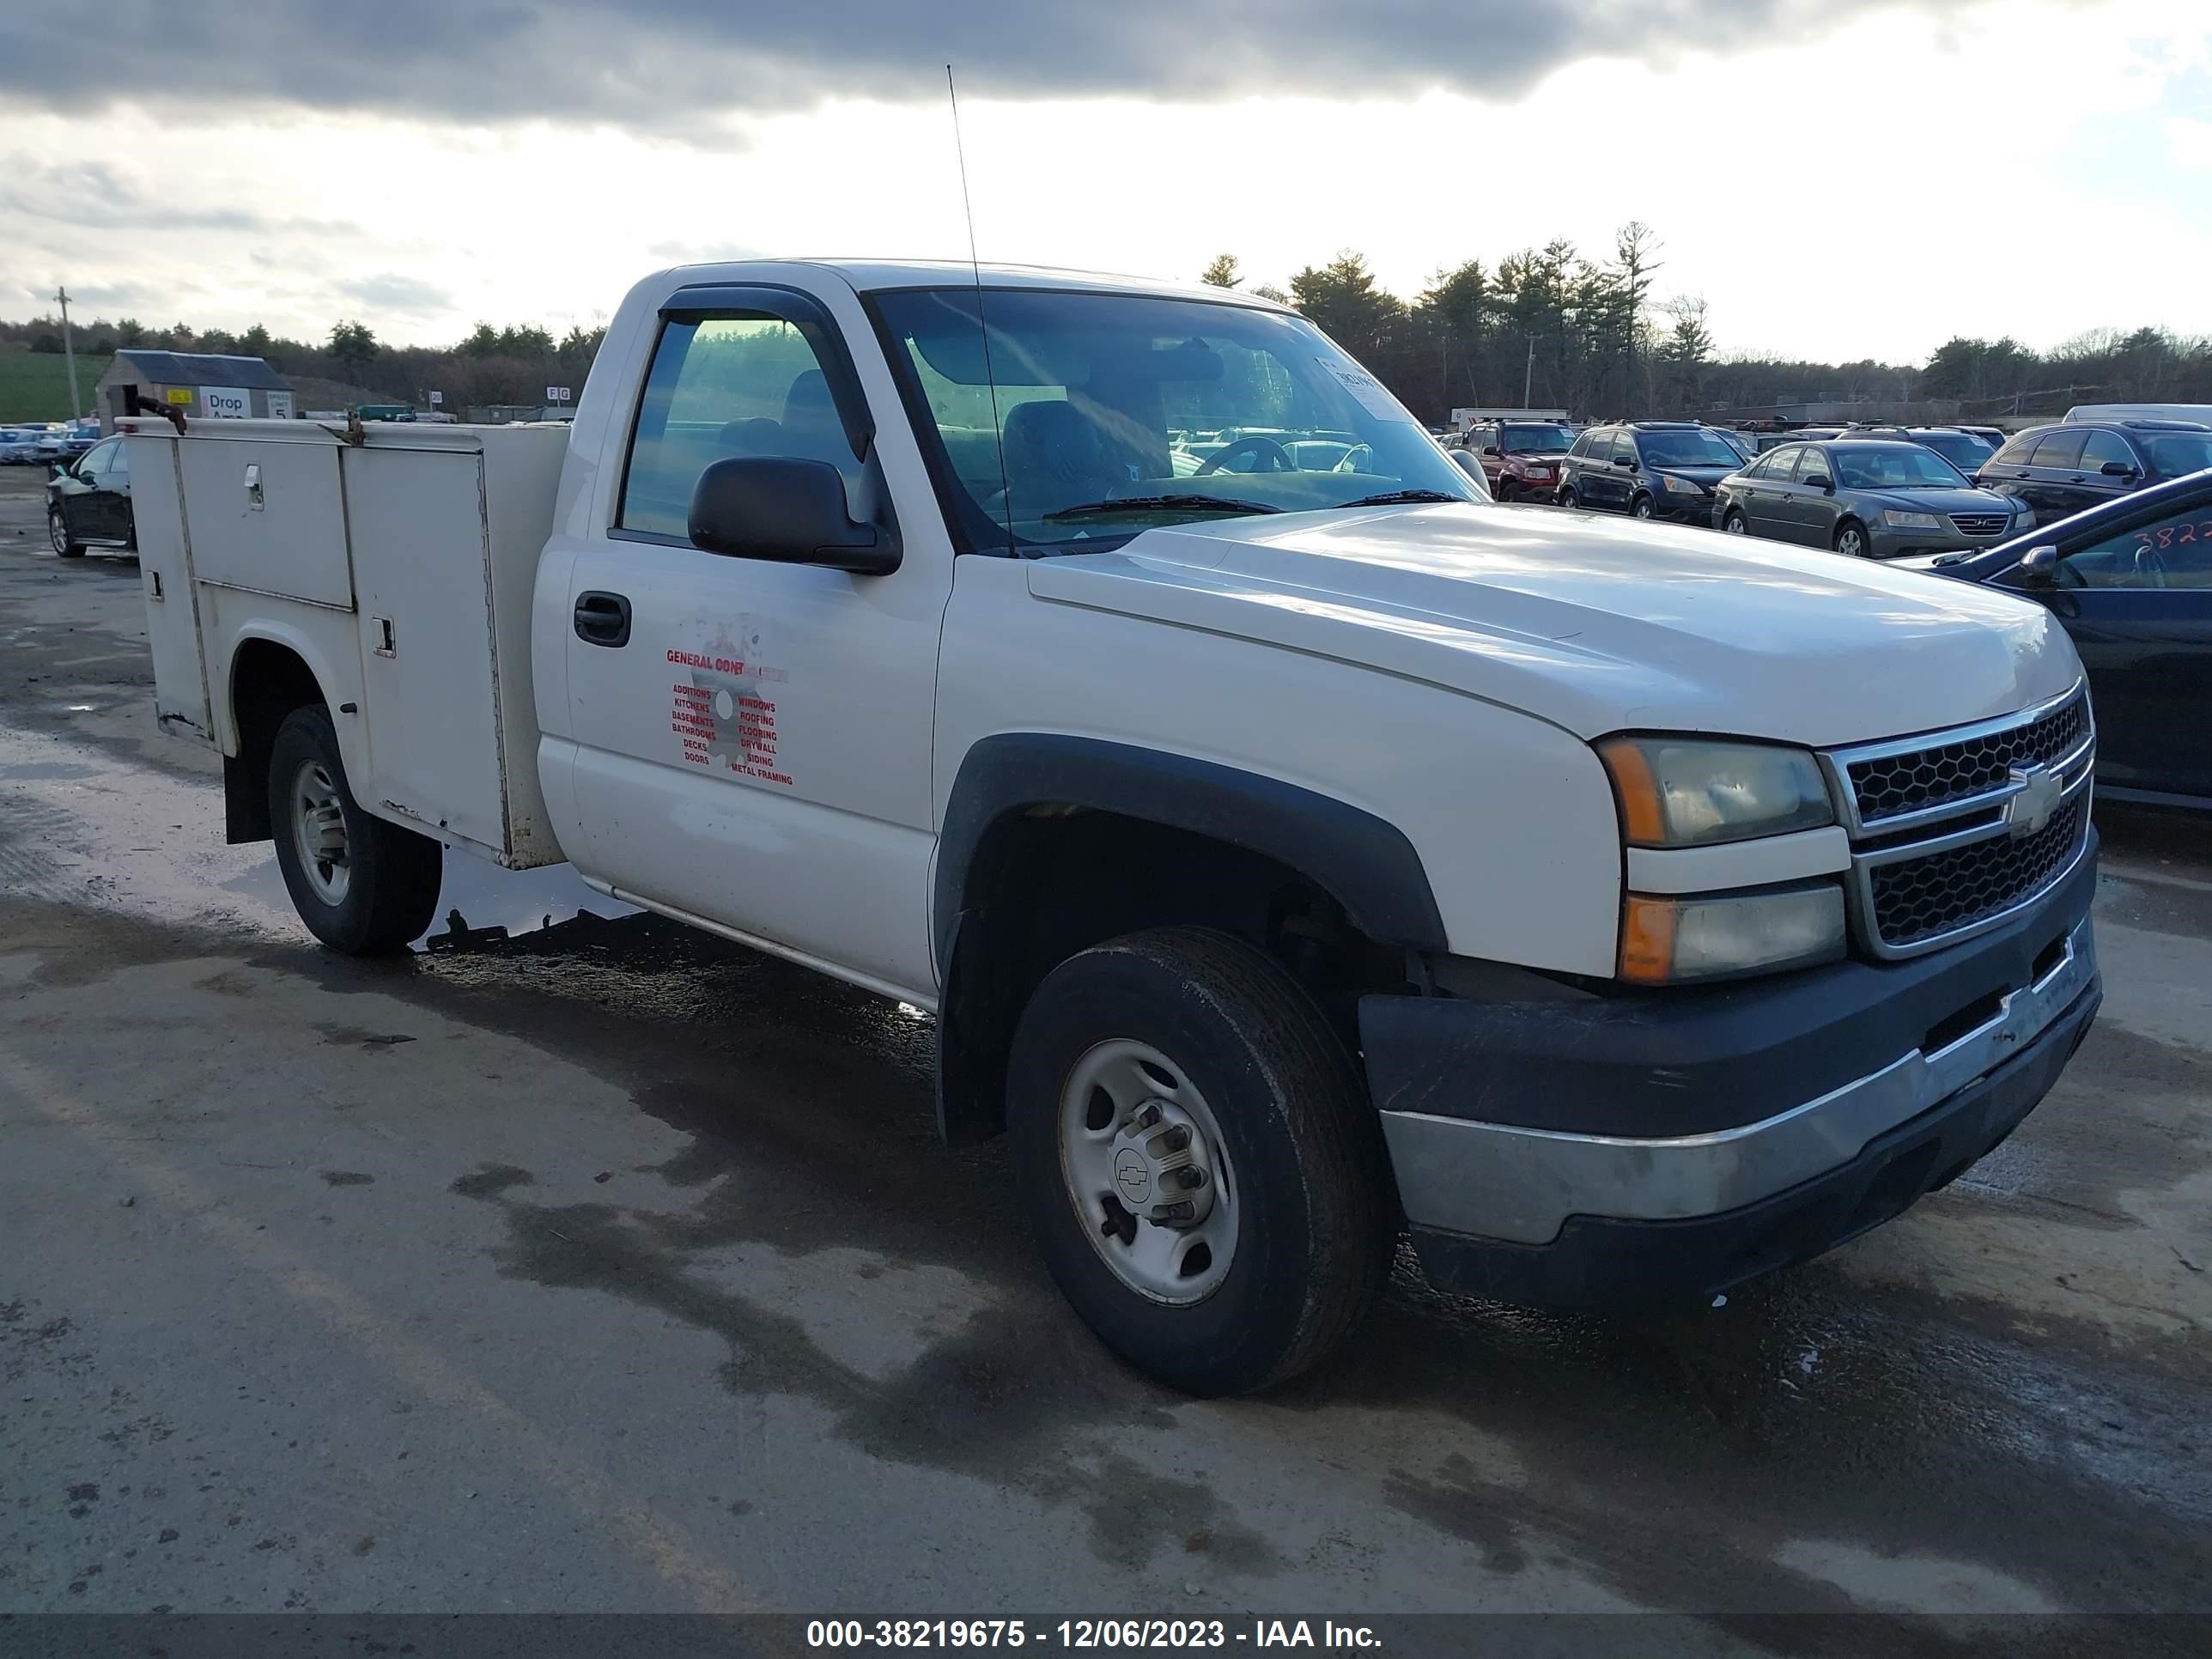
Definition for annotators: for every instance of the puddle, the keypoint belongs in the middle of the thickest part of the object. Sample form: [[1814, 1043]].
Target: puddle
[[476, 896]]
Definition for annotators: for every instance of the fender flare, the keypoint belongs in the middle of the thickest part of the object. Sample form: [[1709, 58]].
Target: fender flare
[[1363, 862]]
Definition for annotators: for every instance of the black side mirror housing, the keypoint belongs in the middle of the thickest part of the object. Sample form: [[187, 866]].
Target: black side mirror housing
[[788, 510], [2118, 469], [1819, 481]]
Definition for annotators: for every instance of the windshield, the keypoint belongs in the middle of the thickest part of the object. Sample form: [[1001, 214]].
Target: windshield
[[1686, 449], [1893, 467], [2178, 453], [1085, 418], [1536, 440]]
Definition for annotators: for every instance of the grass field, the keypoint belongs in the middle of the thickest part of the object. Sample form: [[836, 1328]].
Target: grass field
[[35, 387]]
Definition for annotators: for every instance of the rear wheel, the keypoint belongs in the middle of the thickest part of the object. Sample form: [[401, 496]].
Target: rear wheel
[[363, 887], [1736, 523], [1852, 539], [1569, 500], [58, 533], [1201, 1168]]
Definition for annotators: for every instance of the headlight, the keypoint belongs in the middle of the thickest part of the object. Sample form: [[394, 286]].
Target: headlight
[[1667, 940], [1686, 792], [1676, 486], [1897, 520]]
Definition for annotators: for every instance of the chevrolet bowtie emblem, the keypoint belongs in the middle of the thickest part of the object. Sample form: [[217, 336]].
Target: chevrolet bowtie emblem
[[2027, 812]]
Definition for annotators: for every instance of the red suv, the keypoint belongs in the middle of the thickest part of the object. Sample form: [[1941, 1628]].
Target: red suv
[[1520, 458]]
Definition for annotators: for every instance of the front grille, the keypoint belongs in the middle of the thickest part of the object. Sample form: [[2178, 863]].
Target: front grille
[[1978, 524], [1919, 899], [1888, 785]]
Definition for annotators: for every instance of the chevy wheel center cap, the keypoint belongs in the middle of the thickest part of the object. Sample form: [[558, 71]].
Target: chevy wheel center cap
[[1132, 1176]]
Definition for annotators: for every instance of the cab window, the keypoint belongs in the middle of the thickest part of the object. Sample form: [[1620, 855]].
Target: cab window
[[2106, 447], [721, 387], [102, 460]]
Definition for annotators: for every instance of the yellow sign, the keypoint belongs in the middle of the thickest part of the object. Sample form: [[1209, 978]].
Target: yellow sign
[[179, 394]]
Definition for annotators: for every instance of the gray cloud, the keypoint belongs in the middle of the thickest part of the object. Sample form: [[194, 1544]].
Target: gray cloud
[[667, 64], [390, 291], [93, 195]]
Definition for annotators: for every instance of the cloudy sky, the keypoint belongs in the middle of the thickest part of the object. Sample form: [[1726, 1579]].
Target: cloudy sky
[[1839, 179]]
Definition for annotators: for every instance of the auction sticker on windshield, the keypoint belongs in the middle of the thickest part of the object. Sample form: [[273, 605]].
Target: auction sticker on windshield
[[1364, 387]]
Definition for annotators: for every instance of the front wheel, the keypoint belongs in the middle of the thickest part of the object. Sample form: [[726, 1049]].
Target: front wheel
[[362, 886], [58, 533], [1642, 507], [1202, 1170], [1851, 540]]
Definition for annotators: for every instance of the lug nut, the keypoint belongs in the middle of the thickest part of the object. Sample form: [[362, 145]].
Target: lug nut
[[1172, 1142], [1146, 1116], [1171, 1213], [1190, 1178]]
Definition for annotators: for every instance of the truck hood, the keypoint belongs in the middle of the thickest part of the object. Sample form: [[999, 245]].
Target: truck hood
[[1595, 624]]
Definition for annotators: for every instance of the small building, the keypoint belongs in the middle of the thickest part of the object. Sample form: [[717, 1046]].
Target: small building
[[202, 384]]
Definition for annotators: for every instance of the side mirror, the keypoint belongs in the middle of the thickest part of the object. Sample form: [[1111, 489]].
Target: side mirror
[[1819, 481], [1619, 462], [2039, 566], [2118, 469], [1490, 449], [792, 511]]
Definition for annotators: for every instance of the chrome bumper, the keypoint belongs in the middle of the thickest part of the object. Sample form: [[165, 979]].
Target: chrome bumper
[[1521, 1185]]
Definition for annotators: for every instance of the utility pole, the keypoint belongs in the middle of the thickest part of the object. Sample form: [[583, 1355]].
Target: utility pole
[[1528, 374], [69, 351]]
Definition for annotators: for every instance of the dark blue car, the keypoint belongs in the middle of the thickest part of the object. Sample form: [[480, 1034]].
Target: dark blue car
[[2131, 582]]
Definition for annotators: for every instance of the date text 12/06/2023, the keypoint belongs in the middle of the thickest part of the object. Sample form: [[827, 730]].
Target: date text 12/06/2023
[[722, 716], [1085, 1634]]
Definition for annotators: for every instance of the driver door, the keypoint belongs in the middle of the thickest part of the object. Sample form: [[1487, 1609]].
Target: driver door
[[2138, 603]]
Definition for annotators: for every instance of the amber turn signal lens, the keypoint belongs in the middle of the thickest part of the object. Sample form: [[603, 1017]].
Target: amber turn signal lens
[[1647, 939], [1642, 817]]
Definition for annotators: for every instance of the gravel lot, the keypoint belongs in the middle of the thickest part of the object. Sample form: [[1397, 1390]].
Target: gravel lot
[[599, 1266]]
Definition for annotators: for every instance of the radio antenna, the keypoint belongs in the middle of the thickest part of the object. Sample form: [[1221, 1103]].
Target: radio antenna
[[975, 267]]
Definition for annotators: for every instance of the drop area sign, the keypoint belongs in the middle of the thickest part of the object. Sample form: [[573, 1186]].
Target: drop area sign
[[229, 402]]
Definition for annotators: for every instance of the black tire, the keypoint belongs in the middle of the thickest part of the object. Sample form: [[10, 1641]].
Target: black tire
[[1506, 491], [392, 874], [1734, 523], [1303, 1146], [1642, 507], [1568, 499], [1851, 527], [58, 535]]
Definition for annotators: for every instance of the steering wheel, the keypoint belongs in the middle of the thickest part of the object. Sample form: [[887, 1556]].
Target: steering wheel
[[1349, 461], [1276, 457], [2150, 569]]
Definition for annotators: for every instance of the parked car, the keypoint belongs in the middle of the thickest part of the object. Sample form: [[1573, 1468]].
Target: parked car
[[1651, 469], [1520, 459], [88, 503], [2131, 581], [20, 445], [1217, 819], [1995, 436], [1868, 497], [79, 439], [2062, 469], [1964, 450]]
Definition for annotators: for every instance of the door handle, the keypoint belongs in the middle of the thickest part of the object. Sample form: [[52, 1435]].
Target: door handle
[[603, 619]]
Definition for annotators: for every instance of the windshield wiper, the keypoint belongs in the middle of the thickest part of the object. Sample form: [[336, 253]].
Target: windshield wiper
[[1140, 503], [1395, 497]]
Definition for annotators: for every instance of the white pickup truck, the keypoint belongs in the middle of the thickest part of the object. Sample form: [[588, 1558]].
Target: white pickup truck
[[1294, 846]]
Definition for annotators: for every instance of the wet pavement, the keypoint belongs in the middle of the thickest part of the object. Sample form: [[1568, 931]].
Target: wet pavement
[[582, 1262]]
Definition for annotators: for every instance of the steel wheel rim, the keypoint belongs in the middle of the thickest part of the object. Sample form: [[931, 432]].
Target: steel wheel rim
[[56, 532], [1121, 1164], [319, 832]]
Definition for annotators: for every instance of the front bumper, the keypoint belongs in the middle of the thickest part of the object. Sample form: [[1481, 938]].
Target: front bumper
[[1682, 509], [1571, 1154], [1884, 542]]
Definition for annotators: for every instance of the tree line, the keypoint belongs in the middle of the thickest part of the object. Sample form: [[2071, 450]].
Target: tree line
[[489, 365], [1551, 326]]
